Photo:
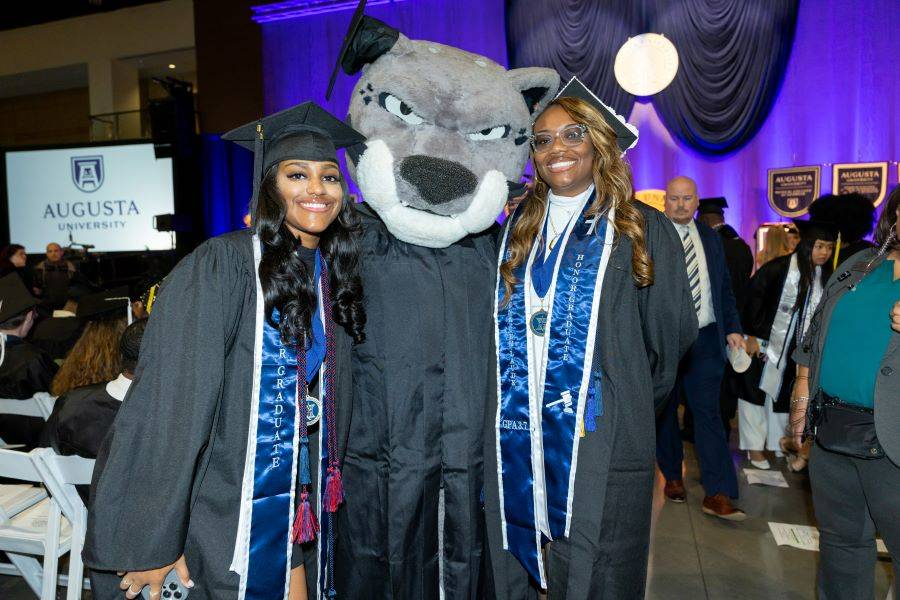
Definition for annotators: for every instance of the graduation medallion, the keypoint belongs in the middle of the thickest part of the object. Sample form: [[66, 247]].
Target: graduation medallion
[[538, 322], [313, 410]]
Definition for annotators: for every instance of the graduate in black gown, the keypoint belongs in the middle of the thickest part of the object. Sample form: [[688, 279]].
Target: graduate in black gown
[[593, 315], [25, 369], [218, 444]]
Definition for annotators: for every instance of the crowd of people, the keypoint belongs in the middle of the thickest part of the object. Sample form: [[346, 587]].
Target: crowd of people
[[658, 310]]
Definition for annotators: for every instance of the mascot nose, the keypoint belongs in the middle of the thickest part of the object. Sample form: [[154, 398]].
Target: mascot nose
[[438, 181]]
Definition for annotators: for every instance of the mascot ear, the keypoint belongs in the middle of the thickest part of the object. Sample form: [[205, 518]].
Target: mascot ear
[[366, 40], [537, 84]]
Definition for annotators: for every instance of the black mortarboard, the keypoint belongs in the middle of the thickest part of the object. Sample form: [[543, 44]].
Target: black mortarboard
[[304, 132], [104, 304], [853, 213], [715, 205], [14, 297], [817, 230], [626, 133], [366, 40]]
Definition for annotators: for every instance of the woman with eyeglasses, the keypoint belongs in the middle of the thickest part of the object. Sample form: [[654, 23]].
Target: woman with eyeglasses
[[593, 313]]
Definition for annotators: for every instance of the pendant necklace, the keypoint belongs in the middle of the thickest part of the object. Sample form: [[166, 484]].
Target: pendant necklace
[[538, 321]]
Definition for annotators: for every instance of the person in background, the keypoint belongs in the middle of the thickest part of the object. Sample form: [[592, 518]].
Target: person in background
[[739, 258], [24, 369], [854, 214], [775, 244], [784, 294], [82, 416], [793, 237], [52, 276], [701, 371], [95, 356], [848, 384]]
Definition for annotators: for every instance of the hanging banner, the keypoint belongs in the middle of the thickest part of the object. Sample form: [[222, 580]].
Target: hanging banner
[[793, 189], [868, 179]]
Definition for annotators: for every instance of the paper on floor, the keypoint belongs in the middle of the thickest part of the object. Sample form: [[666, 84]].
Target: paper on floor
[[805, 537], [759, 476]]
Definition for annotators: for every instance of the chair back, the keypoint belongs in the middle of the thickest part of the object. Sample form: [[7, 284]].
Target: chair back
[[39, 405]]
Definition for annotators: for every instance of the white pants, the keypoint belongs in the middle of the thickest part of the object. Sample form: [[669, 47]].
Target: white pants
[[760, 427]]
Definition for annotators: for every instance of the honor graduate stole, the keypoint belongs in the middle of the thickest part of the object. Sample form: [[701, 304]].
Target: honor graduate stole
[[540, 419], [277, 449]]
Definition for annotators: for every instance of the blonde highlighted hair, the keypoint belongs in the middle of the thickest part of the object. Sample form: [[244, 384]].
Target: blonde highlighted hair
[[93, 359], [614, 191]]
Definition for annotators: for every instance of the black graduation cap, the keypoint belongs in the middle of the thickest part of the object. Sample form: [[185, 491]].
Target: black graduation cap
[[812, 230], [626, 133], [103, 305], [305, 132], [367, 39], [716, 205], [14, 297]]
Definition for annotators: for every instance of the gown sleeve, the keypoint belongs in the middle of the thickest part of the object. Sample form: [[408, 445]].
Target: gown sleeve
[[667, 313], [147, 467]]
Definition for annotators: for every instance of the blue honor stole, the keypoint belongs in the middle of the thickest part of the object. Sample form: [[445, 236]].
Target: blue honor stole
[[273, 457], [540, 419]]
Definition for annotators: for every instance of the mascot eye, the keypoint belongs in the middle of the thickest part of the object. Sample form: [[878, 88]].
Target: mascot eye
[[398, 107], [491, 133]]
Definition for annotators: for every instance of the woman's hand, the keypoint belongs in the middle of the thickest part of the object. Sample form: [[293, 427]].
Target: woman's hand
[[134, 581], [799, 405], [895, 316]]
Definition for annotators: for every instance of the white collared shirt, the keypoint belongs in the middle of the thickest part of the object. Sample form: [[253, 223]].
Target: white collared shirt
[[118, 387], [707, 314]]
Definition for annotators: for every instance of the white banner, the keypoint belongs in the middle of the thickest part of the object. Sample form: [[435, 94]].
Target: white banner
[[101, 195]]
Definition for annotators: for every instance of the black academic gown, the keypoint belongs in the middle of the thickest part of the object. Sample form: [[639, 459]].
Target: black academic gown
[[168, 476], [739, 259], [26, 370], [57, 335], [80, 420], [759, 314], [421, 380], [641, 336]]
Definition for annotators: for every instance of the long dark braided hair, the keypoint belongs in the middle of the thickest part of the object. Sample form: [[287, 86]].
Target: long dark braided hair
[[286, 283]]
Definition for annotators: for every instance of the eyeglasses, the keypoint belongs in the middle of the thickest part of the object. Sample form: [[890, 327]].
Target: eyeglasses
[[570, 135]]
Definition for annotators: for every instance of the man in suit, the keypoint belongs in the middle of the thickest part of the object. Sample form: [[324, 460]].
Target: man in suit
[[701, 370], [739, 258]]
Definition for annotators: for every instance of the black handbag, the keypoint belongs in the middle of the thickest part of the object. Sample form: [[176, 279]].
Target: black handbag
[[843, 428]]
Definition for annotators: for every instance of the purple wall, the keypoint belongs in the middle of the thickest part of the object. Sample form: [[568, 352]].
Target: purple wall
[[840, 102]]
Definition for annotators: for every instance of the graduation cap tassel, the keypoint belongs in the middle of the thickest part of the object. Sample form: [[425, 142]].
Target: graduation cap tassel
[[257, 171], [305, 525]]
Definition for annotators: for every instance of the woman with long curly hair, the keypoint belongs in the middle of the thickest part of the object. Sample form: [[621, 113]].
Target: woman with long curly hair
[[224, 462], [95, 356], [593, 313]]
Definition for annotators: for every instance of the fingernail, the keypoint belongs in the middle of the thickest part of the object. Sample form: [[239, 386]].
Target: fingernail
[[190, 583]]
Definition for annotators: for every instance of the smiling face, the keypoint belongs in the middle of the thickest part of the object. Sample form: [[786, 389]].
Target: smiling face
[[313, 197], [563, 153]]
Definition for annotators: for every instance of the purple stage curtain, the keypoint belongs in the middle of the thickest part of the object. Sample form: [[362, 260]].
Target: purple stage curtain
[[732, 56], [575, 38]]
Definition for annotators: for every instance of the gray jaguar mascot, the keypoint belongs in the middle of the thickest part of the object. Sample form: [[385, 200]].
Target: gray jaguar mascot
[[446, 131]]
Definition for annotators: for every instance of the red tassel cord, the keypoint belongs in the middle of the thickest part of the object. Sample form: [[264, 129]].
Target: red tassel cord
[[334, 488], [334, 491], [305, 524]]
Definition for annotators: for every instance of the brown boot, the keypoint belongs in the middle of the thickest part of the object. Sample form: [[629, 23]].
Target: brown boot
[[720, 506], [674, 490]]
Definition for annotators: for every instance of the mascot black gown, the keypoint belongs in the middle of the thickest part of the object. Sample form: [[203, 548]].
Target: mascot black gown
[[446, 131]]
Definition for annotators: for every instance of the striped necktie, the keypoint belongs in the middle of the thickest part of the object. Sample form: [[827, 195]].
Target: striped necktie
[[693, 268]]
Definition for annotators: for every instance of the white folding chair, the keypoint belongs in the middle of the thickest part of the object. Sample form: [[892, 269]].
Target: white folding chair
[[36, 531], [39, 405], [60, 475]]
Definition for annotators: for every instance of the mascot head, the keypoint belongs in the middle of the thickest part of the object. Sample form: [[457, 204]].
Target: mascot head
[[447, 130]]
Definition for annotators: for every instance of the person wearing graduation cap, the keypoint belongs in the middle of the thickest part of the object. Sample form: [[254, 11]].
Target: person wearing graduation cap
[[783, 296], [224, 460], [25, 369], [94, 358], [593, 314]]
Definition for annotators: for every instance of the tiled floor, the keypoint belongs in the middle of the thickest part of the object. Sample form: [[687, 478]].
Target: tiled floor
[[694, 556]]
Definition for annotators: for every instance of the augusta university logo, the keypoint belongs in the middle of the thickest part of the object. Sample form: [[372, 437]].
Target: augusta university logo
[[87, 172]]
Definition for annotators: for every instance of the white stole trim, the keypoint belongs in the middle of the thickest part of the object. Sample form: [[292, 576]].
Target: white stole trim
[[782, 329]]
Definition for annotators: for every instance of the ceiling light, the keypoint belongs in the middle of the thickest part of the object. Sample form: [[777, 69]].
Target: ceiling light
[[171, 66]]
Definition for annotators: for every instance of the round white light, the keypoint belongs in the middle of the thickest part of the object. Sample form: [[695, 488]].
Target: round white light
[[646, 64], [171, 66]]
